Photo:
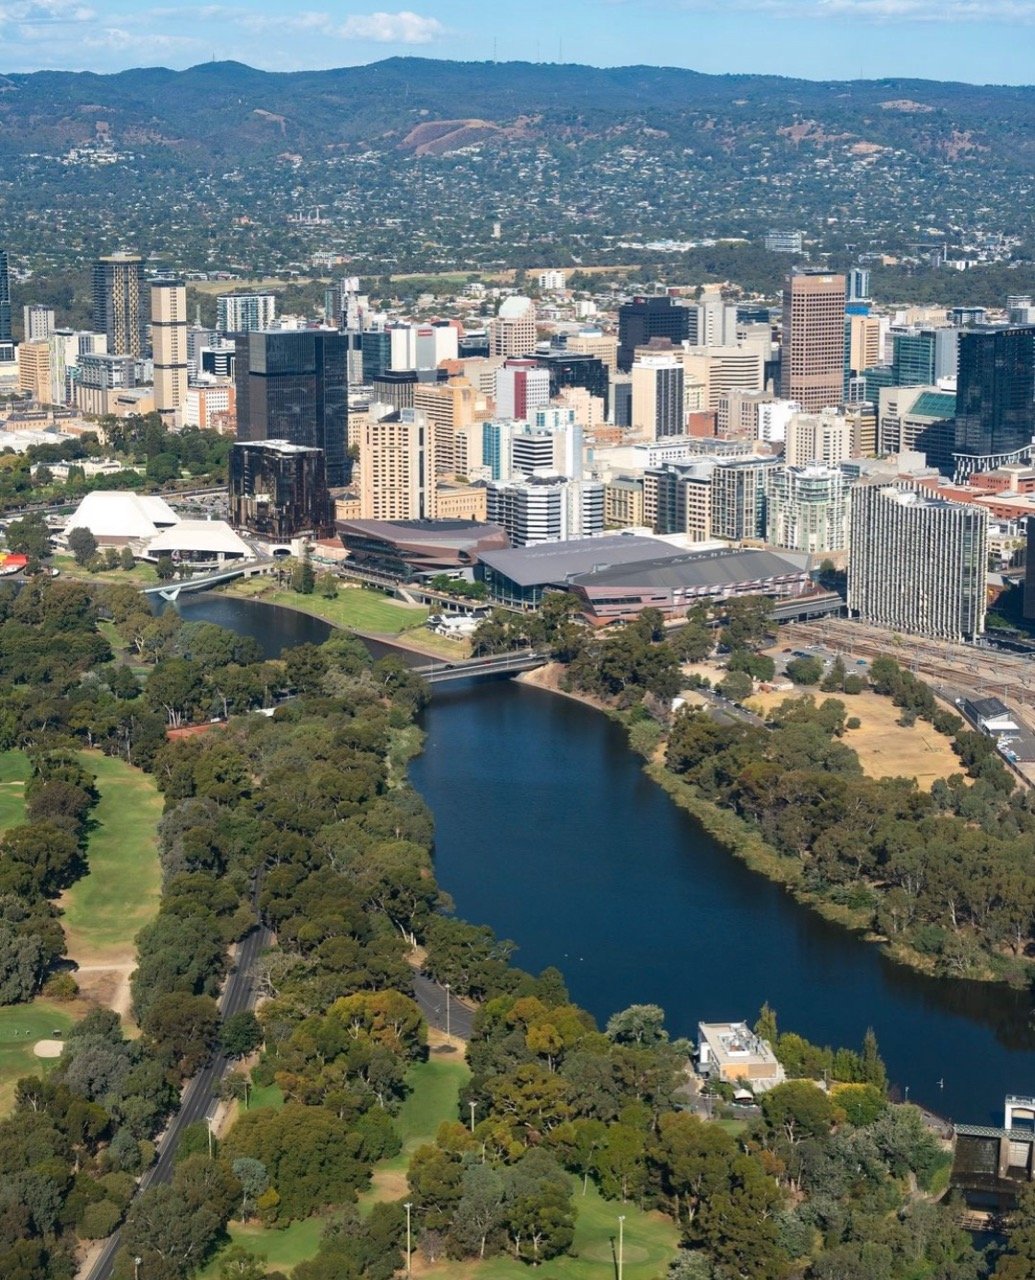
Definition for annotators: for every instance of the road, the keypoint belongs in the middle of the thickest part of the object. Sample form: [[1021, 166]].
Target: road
[[201, 1093], [431, 997], [722, 709]]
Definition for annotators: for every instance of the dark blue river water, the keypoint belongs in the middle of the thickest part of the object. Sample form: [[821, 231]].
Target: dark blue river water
[[548, 830]]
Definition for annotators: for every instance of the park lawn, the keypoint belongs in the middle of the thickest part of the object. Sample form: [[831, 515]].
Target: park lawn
[[283, 1249], [651, 1241], [141, 575], [15, 771], [105, 910], [885, 748], [354, 608], [435, 1087], [21, 1025], [266, 1095], [434, 1094]]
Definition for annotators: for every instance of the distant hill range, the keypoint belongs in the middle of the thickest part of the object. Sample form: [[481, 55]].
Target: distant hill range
[[225, 110]]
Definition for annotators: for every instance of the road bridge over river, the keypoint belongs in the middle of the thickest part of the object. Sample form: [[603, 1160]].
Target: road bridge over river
[[504, 664]]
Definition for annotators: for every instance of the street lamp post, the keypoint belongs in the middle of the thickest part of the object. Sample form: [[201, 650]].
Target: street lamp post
[[208, 1126], [621, 1244], [408, 1206], [136, 1268], [472, 1105], [448, 1031]]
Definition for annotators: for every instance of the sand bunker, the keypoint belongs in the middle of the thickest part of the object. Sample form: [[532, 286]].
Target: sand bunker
[[48, 1048]]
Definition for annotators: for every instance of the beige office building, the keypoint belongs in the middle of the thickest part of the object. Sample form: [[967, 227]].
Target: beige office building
[[602, 345], [397, 469], [513, 331], [449, 407], [818, 437], [722, 369], [623, 502], [169, 344], [812, 362], [864, 343], [34, 370]]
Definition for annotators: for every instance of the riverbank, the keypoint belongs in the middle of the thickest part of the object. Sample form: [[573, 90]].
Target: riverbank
[[737, 837]]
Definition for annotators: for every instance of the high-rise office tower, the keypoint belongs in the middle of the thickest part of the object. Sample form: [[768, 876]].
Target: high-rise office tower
[[720, 369], [521, 386], [38, 322], [291, 385], [243, 312], [644, 318], [34, 370], [6, 336], [546, 508], [278, 490], [917, 563], [512, 332], [657, 397], [858, 284], [169, 345], [812, 365], [120, 303], [920, 357], [397, 468], [572, 369], [995, 397]]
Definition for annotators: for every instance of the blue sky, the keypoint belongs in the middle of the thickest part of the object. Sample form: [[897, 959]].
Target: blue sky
[[976, 40]]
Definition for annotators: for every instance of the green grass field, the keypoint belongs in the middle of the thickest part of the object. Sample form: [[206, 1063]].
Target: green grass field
[[650, 1238], [141, 575], [650, 1245], [105, 910], [356, 608], [14, 772], [21, 1025], [283, 1250]]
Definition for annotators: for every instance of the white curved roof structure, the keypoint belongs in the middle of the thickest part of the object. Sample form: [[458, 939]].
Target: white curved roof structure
[[213, 537], [112, 513]]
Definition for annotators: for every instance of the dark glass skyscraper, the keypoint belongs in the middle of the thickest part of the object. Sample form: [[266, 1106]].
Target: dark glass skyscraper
[[995, 395], [645, 318], [293, 385], [120, 303], [6, 338]]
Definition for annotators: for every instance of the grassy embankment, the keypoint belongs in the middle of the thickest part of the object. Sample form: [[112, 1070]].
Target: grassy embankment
[[650, 1238], [358, 609], [106, 909]]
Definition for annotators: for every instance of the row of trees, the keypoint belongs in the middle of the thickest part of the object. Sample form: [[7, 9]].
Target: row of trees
[[913, 861]]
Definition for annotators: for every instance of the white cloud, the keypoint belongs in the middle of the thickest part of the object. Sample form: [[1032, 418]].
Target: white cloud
[[404, 27], [37, 13], [941, 11]]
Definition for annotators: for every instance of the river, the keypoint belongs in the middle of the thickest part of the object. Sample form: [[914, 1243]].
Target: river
[[548, 830]]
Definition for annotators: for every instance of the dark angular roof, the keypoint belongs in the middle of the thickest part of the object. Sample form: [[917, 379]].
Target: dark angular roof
[[704, 569], [557, 562]]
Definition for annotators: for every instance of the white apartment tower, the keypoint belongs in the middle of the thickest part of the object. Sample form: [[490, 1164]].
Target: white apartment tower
[[243, 312], [807, 509], [657, 397], [917, 563]]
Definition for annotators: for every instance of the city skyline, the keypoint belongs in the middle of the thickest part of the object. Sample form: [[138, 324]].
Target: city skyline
[[816, 39]]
